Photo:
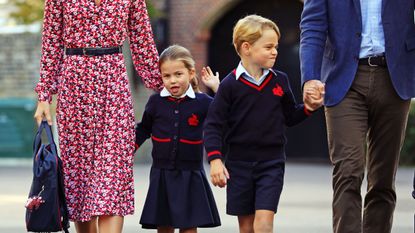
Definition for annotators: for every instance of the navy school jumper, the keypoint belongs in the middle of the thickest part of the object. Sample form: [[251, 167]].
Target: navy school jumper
[[175, 127], [255, 118]]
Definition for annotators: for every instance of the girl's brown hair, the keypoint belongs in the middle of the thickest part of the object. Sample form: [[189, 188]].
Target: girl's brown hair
[[180, 53]]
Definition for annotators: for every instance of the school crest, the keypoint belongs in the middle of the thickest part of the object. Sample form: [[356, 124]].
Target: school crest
[[193, 120], [277, 90]]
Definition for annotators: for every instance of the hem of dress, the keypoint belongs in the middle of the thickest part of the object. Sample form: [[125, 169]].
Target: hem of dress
[[100, 214], [207, 225]]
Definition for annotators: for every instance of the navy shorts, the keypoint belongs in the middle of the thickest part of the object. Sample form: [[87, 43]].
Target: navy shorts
[[254, 186]]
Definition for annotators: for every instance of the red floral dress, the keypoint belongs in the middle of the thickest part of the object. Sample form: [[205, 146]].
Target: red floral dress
[[94, 110]]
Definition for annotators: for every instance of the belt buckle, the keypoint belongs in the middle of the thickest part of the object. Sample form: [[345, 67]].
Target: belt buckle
[[369, 62], [84, 51]]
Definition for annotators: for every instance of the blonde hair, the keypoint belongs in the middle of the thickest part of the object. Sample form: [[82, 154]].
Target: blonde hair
[[250, 29], [180, 53]]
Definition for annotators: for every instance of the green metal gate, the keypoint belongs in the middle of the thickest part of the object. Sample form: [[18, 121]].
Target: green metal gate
[[16, 127]]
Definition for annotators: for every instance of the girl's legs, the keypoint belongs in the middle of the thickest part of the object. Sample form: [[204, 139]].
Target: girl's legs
[[264, 221], [188, 230], [165, 230], [110, 224], [87, 227], [246, 223]]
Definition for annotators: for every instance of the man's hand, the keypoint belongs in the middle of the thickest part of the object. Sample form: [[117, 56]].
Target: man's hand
[[313, 94]]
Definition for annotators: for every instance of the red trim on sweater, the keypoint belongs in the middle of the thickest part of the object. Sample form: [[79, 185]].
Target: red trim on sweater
[[259, 88], [215, 152], [178, 100], [191, 141], [160, 139], [307, 112]]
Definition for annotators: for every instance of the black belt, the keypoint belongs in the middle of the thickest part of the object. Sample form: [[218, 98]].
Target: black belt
[[93, 51], [379, 60]]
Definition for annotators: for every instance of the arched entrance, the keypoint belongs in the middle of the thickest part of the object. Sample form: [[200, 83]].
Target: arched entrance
[[307, 140]]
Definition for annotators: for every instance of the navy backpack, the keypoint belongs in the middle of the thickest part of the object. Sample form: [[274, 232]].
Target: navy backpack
[[46, 209]]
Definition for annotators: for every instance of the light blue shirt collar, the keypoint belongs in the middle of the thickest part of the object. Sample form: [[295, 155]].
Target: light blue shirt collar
[[190, 93], [240, 70]]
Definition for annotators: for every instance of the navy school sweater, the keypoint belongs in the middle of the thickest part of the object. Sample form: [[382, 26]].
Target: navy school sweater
[[255, 118], [175, 127]]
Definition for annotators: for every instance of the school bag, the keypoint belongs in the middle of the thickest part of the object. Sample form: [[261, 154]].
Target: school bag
[[46, 209]]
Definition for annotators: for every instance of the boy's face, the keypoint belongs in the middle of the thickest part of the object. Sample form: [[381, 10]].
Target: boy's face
[[263, 52], [176, 77]]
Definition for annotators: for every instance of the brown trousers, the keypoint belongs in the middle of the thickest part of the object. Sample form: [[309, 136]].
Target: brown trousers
[[365, 133]]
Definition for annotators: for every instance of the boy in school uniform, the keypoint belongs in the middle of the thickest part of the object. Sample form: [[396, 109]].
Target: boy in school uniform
[[254, 103]]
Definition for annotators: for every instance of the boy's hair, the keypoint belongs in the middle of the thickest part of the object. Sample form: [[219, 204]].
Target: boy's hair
[[180, 53], [250, 28]]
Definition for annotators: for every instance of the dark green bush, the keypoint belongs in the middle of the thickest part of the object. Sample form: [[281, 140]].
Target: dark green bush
[[408, 150]]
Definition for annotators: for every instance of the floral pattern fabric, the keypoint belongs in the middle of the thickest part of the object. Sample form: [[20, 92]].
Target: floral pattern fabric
[[94, 107]]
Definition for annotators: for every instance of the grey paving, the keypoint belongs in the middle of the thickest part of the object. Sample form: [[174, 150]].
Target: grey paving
[[305, 205]]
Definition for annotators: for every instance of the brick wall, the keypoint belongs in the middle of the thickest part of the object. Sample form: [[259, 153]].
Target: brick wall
[[19, 64], [190, 23]]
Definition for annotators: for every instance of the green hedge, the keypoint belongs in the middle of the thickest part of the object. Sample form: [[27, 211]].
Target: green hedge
[[408, 150]]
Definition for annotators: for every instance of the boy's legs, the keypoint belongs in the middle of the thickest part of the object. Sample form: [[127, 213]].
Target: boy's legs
[[269, 180], [253, 193], [264, 221], [260, 222], [246, 223], [240, 194]]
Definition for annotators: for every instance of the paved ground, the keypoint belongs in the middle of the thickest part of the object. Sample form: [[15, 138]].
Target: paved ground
[[304, 207]]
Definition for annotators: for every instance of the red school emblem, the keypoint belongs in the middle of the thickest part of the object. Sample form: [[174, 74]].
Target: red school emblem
[[193, 120], [277, 90]]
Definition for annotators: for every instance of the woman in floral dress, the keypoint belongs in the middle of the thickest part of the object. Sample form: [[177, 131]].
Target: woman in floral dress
[[95, 116]]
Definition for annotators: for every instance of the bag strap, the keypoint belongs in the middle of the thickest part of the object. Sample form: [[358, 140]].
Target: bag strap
[[38, 138]]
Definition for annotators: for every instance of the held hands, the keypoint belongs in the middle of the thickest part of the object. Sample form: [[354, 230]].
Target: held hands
[[209, 79], [43, 111], [218, 173], [313, 94]]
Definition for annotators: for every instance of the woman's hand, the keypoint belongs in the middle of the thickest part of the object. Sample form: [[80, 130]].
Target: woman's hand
[[218, 173], [209, 79], [43, 111]]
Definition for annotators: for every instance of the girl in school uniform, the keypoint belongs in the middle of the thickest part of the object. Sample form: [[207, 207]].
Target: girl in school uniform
[[179, 195]]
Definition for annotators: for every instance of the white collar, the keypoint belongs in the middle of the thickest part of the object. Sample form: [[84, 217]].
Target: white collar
[[190, 93], [241, 70]]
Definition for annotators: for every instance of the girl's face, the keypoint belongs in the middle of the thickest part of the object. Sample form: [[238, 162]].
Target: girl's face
[[176, 77]]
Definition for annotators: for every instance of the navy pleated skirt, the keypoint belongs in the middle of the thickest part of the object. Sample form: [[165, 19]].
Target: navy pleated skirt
[[179, 199]]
